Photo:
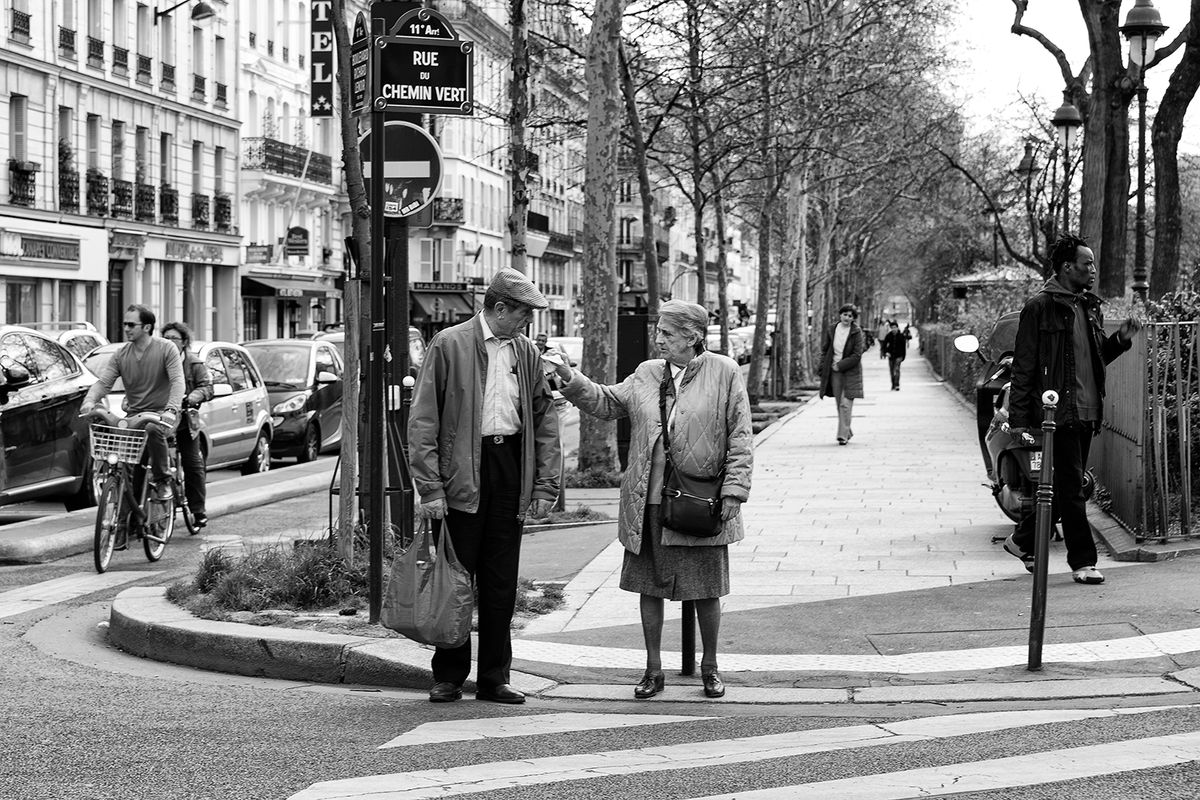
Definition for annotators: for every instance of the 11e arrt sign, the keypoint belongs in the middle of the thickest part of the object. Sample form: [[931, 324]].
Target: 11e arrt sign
[[426, 75]]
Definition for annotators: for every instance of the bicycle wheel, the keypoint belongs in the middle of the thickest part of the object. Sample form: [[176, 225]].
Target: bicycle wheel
[[108, 515], [160, 524], [181, 503]]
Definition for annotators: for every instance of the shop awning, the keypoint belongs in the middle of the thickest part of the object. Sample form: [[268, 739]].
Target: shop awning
[[281, 287], [432, 302]]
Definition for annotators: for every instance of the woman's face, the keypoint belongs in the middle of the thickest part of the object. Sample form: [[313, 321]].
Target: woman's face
[[675, 345]]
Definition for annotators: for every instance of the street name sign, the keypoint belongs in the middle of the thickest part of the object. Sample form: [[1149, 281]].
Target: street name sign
[[426, 70], [360, 65]]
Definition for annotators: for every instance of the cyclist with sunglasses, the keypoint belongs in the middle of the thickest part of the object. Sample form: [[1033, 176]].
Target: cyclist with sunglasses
[[152, 372]]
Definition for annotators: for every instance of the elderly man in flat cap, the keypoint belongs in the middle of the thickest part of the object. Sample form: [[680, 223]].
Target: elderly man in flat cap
[[484, 450]]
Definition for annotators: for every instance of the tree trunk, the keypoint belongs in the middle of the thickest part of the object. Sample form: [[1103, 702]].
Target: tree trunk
[[722, 265], [597, 442], [649, 246], [518, 95], [1168, 127], [754, 380], [695, 87]]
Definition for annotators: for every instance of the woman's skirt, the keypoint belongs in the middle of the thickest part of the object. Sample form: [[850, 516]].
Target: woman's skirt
[[672, 572]]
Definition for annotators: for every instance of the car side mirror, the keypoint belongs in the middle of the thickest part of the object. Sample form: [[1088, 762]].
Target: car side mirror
[[327, 377], [13, 375], [222, 390]]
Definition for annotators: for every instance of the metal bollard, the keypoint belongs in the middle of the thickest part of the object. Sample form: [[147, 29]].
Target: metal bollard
[[1043, 522]]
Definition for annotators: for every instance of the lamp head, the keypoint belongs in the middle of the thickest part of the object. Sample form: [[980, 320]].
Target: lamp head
[[1143, 25], [1066, 120]]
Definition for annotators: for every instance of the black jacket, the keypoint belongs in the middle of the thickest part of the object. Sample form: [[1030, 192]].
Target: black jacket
[[895, 345], [1044, 357]]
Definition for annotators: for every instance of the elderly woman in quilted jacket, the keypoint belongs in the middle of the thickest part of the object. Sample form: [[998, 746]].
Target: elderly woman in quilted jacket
[[708, 418]]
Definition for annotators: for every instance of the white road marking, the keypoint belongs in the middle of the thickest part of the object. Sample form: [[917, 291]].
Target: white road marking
[[1153, 645], [496, 776], [532, 725], [1032, 769], [46, 593]]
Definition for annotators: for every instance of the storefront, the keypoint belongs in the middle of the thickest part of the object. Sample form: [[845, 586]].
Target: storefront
[[192, 281], [434, 305], [280, 305], [51, 272]]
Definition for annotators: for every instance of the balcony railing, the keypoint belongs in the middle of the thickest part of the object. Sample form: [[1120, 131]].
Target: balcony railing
[[95, 52], [448, 211], [143, 202], [66, 41], [168, 202], [200, 211], [122, 198], [97, 193], [20, 24], [120, 60], [272, 155], [222, 93], [168, 78], [561, 242], [223, 213], [144, 72], [22, 182], [198, 87], [68, 190]]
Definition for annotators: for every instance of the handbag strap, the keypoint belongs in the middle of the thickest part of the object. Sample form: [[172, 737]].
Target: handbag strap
[[662, 409]]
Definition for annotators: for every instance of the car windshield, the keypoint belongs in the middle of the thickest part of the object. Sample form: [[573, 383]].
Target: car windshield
[[283, 366]]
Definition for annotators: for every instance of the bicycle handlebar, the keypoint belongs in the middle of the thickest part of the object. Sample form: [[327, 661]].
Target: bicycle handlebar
[[134, 421]]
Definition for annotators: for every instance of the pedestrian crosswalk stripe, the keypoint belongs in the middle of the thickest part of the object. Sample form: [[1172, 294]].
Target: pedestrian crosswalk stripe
[[46, 593], [1029, 769], [496, 776], [461, 730]]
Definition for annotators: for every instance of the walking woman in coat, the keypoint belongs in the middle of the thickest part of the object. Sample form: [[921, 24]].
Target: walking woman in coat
[[708, 419], [841, 368]]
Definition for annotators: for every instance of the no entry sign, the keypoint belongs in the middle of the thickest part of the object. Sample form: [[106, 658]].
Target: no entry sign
[[412, 167]]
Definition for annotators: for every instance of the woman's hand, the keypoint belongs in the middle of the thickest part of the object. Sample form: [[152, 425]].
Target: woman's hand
[[729, 508], [561, 368]]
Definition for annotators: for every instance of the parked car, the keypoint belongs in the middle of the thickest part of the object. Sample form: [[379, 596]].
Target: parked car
[[235, 426], [304, 380], [416, 345], [47, 450], [80, 338], [739, 346]]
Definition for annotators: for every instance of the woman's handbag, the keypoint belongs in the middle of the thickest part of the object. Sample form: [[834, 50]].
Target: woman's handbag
[[690, 505], [429, 596]]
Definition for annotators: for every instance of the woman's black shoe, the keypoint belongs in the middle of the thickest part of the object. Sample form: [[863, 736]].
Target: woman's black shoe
[[713, 687], [652, 683]]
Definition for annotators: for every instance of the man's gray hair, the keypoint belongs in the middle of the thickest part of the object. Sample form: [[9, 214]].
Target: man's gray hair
[[687, 317]]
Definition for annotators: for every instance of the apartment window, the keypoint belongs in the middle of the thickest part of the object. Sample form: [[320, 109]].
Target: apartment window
[[118, 150], [120, 23], [197, 51], [66, 300], [166, 40], [219, 59], [141, 153], [66, 137], [22, 301], [219, 170], [18, 127], [166, 155], [93, 141], [144, 25], [197, 164]]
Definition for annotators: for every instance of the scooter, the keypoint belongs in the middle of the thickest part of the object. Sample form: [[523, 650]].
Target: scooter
[[1013, 461]]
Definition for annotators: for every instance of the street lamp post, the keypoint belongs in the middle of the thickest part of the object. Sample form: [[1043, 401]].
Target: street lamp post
[[201, 11], [1066, 120], [1143, 25]]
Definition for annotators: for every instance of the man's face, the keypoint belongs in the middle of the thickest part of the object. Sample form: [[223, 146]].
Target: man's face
[[1080, 274], [134, 330], [511, 319], [540, 341]]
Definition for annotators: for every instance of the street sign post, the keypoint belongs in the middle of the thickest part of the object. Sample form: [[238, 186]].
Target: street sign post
[[412, 168]]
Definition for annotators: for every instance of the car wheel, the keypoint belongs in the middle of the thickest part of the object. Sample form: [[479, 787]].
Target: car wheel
[[312, 445], [260, 457]]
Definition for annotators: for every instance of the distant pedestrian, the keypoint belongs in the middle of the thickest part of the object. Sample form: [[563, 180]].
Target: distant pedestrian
[[881, 331], [484, 450], [841, 368], [895, 347], [1061, 346], [542, 343], [703, 397]]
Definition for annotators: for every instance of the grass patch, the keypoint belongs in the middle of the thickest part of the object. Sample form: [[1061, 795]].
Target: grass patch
[[594, 478], [580, 513]]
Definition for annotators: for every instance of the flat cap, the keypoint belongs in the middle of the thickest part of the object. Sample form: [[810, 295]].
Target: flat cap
[[512, 285]]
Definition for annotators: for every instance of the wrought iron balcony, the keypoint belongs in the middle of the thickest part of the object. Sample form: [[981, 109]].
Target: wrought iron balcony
[[198, 87], [68, 190], [168, 202], [122, 198], [97, 193], [168, 78], [200, 211], [120, 60], [561, 242], [95, 52], [272, 155], [448, 211], [223, 213], [144, 72], [143, 202], [222, 93], [22, 182], [20, 24], [66, 41]]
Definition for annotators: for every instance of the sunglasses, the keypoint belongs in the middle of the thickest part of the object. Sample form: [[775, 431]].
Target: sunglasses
[[133, 324]]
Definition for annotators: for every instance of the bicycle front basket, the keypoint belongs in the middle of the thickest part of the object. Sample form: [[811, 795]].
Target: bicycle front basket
[[125, 443]]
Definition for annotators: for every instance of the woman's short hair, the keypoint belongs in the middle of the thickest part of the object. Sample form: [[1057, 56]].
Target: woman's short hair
[[687, 317], [183, 330], [853, 309]]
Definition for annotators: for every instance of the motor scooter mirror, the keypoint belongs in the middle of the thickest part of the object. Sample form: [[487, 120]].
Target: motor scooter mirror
[[967, 343]]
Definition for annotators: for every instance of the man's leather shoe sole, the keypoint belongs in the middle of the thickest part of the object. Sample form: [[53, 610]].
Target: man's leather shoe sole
[[444, 692], [501, 694]]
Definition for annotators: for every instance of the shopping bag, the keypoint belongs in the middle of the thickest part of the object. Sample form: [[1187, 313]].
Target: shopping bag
[[429, 596]]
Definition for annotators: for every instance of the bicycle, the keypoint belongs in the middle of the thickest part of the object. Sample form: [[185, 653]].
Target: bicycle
[[125, 504]]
